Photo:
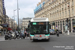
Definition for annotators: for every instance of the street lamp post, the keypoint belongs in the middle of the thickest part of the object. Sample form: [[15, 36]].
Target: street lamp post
[[14, 14], [68, 20], [14, 18], [18, 13]]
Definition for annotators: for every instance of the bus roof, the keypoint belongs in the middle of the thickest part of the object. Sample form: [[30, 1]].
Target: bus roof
[[39, 20]]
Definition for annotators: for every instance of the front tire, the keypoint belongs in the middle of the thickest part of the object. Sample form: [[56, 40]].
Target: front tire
[[6, 39], [23, 37], [48, 40], [10, 38], [34, 40]]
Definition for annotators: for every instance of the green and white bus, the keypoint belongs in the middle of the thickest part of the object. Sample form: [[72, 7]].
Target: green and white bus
[[39, 29]]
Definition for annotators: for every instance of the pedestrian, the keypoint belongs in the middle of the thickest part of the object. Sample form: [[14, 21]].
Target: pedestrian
[[57, 31], [25, 33], [16, 33], [4, 32], [22, 34]]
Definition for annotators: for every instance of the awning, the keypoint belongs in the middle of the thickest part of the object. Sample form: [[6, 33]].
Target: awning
[[9, 29], [5, 25], [1, 27]]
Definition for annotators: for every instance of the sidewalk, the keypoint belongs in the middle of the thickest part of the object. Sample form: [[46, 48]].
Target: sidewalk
[[70, 34], [2, 38]]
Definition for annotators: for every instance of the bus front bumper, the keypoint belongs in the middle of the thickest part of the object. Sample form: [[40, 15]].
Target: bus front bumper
[[39, 38]]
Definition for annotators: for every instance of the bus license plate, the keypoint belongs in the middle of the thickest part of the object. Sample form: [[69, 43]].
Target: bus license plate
[[39, 38], [36, 35]]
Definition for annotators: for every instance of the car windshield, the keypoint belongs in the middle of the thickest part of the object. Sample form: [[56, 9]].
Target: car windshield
[[51, 30]]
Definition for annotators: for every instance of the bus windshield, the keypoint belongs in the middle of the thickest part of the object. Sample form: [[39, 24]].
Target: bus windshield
[[39, 29]]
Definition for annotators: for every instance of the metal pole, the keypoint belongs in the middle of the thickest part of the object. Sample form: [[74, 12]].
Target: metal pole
[[69, 20], [14, 14], [18, 13], [14, 19]]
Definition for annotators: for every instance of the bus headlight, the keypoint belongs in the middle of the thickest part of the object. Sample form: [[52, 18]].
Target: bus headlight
[[31, 36], [47, 36]]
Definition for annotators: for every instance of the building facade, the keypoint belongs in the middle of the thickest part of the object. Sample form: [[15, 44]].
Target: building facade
[[60, 13], [7, 19], [25, 22], [12, 24], [2, 12], [20, 23]]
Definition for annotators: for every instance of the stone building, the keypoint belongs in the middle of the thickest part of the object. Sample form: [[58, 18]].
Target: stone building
[[60, 13], [25, 22], [2, 12]]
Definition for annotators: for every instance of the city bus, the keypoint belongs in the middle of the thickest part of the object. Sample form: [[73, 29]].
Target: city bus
[[39, 29]]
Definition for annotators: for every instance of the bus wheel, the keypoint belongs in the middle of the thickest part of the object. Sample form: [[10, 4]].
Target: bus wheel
[[34, 40], [48, 40]]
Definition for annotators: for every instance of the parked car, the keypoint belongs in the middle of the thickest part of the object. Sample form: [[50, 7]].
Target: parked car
[[52, 31]]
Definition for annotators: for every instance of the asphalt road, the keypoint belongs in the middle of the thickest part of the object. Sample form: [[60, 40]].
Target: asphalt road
[[63, 42]]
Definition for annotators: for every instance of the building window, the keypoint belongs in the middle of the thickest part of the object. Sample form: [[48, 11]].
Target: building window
[[63, 22], [65, 13], [68, 4], [60, 13], [65, 6], [64, 0], [62, 9], [72, 10], [69, 12], [51, 15]]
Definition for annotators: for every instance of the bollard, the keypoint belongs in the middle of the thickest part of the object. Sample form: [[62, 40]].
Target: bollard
[[68, 33]]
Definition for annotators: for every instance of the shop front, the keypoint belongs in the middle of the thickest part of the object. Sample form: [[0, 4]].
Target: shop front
[[1, 30], [53, 25], [4, 28]]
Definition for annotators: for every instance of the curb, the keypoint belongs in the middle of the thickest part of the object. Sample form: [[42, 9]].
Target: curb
[[1, 36], [69, 34]]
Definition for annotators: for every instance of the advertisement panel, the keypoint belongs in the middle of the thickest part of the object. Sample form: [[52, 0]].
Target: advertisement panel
[[3, 7], [38, 8]]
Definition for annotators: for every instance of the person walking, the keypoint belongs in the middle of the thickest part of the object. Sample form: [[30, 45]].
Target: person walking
[[25, 33], [22, 34], [57, 32]]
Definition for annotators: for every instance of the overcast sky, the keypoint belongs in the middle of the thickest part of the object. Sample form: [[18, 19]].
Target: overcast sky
[[26, 8]]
